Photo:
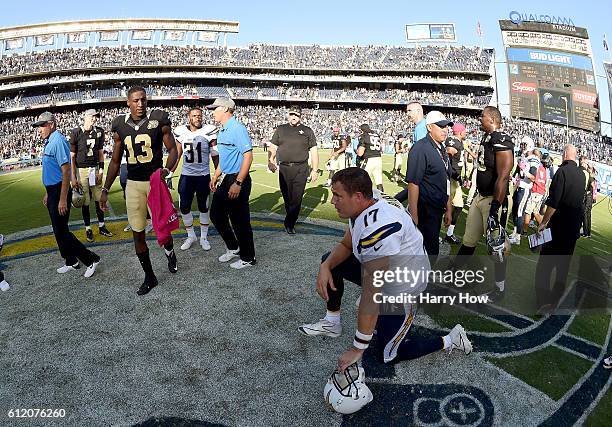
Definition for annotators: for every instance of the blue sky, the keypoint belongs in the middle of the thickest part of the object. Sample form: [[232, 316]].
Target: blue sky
[[340, 22]]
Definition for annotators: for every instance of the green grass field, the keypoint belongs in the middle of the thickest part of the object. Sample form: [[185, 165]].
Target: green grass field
[[551, 370]]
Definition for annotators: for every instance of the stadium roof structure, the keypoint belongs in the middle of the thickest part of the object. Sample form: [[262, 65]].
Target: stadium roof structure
[[113, 31], [118, 25]]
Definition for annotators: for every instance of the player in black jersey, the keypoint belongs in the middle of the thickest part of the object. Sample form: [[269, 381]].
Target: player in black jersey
[[337, 160], [87, 156], [143, 135], [494, 163], [454, 148], [370, 152]]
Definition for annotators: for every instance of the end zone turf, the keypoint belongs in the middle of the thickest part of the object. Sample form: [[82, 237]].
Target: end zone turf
[[220, 346]]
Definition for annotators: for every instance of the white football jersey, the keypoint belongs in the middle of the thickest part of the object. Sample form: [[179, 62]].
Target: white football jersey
[[385, 230], [196, 149]]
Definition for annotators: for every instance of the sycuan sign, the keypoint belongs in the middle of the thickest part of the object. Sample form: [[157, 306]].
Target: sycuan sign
[[520, 17]]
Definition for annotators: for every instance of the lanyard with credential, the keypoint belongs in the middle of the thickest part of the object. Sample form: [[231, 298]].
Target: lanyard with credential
[[445, 161]]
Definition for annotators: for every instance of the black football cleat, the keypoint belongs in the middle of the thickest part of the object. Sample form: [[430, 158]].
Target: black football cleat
[[105, 231], [453, 240], [172, 262], [149, 283], [89, 235]]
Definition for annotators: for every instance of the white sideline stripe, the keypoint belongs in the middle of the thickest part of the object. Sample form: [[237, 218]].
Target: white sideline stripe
[[12, 183], [575, 353]]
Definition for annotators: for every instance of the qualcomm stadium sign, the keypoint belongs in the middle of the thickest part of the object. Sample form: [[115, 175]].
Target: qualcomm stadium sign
[[520, 17]]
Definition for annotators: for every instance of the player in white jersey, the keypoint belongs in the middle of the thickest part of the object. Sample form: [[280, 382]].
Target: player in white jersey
[[197, 144], [382, 251]]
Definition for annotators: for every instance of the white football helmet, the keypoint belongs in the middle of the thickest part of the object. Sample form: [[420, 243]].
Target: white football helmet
[[346, 393], [498, 244], [377, 194]]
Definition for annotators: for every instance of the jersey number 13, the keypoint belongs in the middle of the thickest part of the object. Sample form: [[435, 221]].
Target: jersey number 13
[[144, 142]]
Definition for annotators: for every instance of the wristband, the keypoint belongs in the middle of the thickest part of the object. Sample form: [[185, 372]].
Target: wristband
[[361, 341], [238, 183], [104, 189], [169, 175], [101, 166]]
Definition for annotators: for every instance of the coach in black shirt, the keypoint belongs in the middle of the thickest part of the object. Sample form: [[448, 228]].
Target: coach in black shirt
[[428, 177], [564, 212], [291, 143]]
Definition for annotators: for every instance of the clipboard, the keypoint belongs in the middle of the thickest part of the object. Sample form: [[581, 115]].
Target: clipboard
[[536, 239]]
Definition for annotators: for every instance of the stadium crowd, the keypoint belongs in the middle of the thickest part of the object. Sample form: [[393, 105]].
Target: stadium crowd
[[17, 140], [285, 92], [269, 56]]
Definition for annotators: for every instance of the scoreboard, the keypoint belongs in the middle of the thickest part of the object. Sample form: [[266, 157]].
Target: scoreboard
[[551, 74]]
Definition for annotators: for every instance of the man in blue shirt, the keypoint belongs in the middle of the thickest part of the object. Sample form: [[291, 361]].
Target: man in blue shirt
[[428, 177], [416, 117], [56, 179], [231, 186]]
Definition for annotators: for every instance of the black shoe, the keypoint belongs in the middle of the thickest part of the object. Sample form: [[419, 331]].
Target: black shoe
[[104, 231], [453, 240], [149, 283], [290, 230], [89, 234], [172, 263]]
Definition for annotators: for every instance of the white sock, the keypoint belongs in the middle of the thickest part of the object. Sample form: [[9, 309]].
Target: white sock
[[500, 285], [88, 227], [447, 341], [101, 224], [187, 219], [332, 316], [191, 233], [514, 230], [204, 221], [451, 230], [167, 251]]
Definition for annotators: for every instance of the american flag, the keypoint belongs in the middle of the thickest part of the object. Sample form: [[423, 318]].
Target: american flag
[[479, 30], [605, 43]]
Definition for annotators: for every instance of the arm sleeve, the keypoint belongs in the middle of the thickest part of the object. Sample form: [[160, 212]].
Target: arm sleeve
[[62, 152], [164, 119], [417, 163], [100, 140], [378, 241], [312, 140], [115, 125], [555, 192], [244, 144]]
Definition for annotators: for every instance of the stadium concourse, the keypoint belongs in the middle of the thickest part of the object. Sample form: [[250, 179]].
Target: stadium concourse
[[210, 346]]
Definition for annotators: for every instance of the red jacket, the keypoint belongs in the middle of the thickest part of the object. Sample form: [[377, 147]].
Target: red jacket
[[164, 214]]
